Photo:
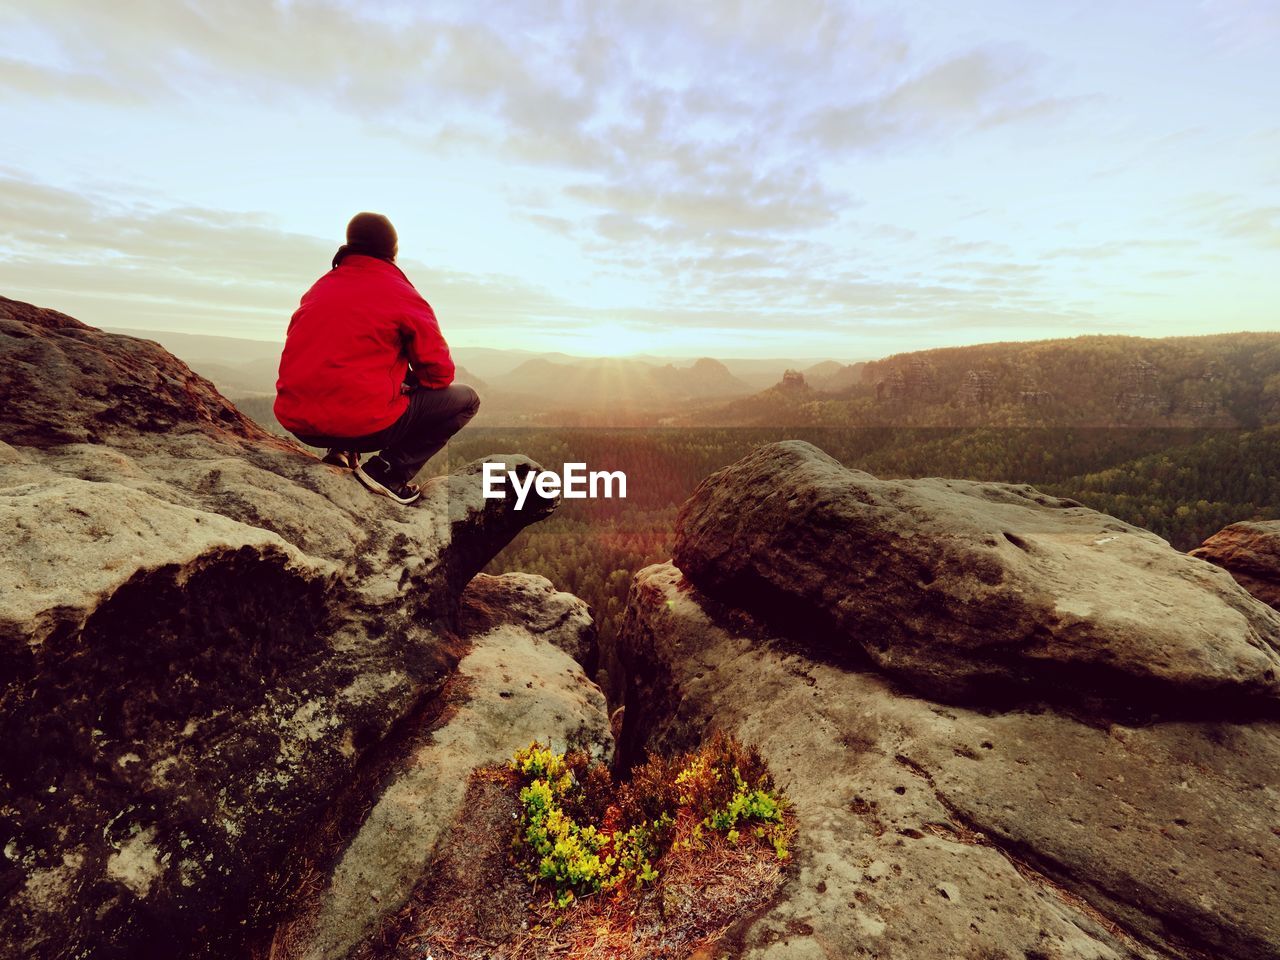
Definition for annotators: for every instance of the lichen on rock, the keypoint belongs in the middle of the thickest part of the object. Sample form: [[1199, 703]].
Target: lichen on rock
[[210, 635]]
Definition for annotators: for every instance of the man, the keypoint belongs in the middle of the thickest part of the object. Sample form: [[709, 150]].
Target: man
[[366, 368]]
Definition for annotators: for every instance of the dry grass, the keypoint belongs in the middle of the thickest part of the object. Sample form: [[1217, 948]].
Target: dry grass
[[475, 903]]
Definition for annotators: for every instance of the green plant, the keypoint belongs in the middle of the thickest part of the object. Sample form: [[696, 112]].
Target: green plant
[[720, 787], [568, 853], [576, 859]]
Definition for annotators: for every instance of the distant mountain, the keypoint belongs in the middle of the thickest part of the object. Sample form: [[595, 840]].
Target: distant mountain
[[821, 371], [237, 367], [492, 363], [618, 383], [199, 347], [463, 375], [516, 386], [832, 377], [706, 378], [254, 376], [759, 373], [1221, 380]]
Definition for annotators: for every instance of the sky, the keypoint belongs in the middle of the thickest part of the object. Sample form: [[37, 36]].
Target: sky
[[793, 178]]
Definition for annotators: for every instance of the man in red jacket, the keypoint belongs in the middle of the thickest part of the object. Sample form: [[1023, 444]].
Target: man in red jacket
[[366, 368]]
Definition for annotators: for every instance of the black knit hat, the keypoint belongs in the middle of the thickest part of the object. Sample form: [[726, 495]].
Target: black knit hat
[[369, 234]]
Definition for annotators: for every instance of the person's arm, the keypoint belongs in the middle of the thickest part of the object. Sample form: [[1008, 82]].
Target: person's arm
[[424, 343]]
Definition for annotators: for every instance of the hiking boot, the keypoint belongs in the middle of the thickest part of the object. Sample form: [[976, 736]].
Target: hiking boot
[[347, 459], [377, 476]]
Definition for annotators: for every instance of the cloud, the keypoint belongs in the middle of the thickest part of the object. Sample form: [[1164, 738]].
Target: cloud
[[135, 264], [688, 148], [975, 90], [21, 79], [685, 122], [1113, 249], [1243, 25], [120, 263], [1255, 223]]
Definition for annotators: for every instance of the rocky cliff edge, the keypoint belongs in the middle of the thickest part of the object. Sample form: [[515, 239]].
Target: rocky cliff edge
[[213, 645]]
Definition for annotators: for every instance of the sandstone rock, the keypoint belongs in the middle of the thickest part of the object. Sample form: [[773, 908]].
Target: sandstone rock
[[121, 386], [538, 607], [978, 388], [516, 685], [977, 590], [113, 536], [211, 637], [1250, 552], [931, 831]]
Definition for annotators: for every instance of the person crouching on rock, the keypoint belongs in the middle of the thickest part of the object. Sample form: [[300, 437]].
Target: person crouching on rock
[[366, 368]]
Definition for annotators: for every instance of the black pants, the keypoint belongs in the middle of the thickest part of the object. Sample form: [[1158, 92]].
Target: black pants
[[421, 432]]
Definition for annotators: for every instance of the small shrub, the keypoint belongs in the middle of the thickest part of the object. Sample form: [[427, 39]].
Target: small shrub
[[651, 792], [581, 837]]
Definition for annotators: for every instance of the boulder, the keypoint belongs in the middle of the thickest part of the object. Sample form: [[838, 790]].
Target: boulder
[[929, 830], [977, 592], [1250, 552], [539, 608], [211, 637]]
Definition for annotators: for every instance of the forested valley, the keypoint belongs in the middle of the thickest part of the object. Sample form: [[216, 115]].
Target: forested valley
[[1183, 484], [1180, 436]]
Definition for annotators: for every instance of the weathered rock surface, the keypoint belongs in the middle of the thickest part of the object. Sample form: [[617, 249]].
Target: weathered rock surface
[[516, 685], [115, 537], [122, 386], [207, 634], [977, 591], [1093, 777], [537, 606], [1250, 552], [936, 831]]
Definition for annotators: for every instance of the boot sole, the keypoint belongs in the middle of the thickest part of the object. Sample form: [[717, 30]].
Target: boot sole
[[344, 461], [375, 487]]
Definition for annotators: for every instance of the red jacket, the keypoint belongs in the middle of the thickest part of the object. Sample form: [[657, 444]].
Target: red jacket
[[356, 332]]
